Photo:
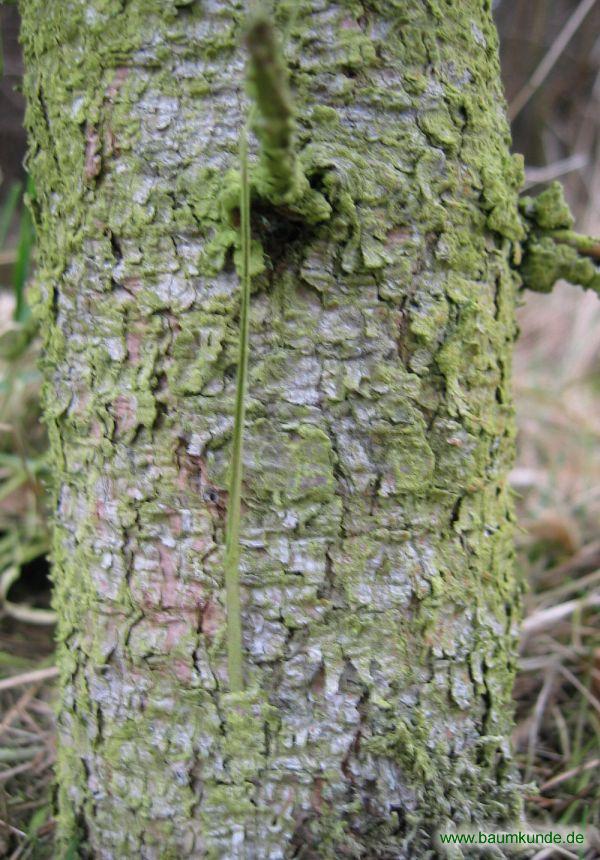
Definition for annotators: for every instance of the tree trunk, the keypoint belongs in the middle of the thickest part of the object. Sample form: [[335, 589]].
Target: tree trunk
[[379, 601]]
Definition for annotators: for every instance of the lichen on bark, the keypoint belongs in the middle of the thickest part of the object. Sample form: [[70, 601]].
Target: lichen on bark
[[379, 599]]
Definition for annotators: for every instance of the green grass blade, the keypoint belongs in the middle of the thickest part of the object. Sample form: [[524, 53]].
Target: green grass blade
[[232, 534], [23, 262], [8, 210]]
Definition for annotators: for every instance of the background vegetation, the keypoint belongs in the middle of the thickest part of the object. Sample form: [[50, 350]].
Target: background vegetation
[[551, 65]]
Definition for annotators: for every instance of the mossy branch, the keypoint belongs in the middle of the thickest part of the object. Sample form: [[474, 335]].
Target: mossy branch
[[587, 246], [232, 533], [279, 178], [553, 250]]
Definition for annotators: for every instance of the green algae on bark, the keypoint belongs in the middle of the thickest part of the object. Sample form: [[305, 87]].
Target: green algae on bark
[[378, 594]]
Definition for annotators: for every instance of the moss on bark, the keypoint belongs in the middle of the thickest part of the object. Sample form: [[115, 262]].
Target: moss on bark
[[379, 599]]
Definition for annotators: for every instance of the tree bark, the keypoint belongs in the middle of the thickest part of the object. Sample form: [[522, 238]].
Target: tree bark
[[379, 599]]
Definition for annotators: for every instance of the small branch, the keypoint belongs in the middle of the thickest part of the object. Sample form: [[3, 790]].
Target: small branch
[[541, 175], [21, 611], [28, 678], [545, 67], [594, 702], [552, 250], [586, 245], [18, 707], [569, 774], [11, 829], [549, 617]]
